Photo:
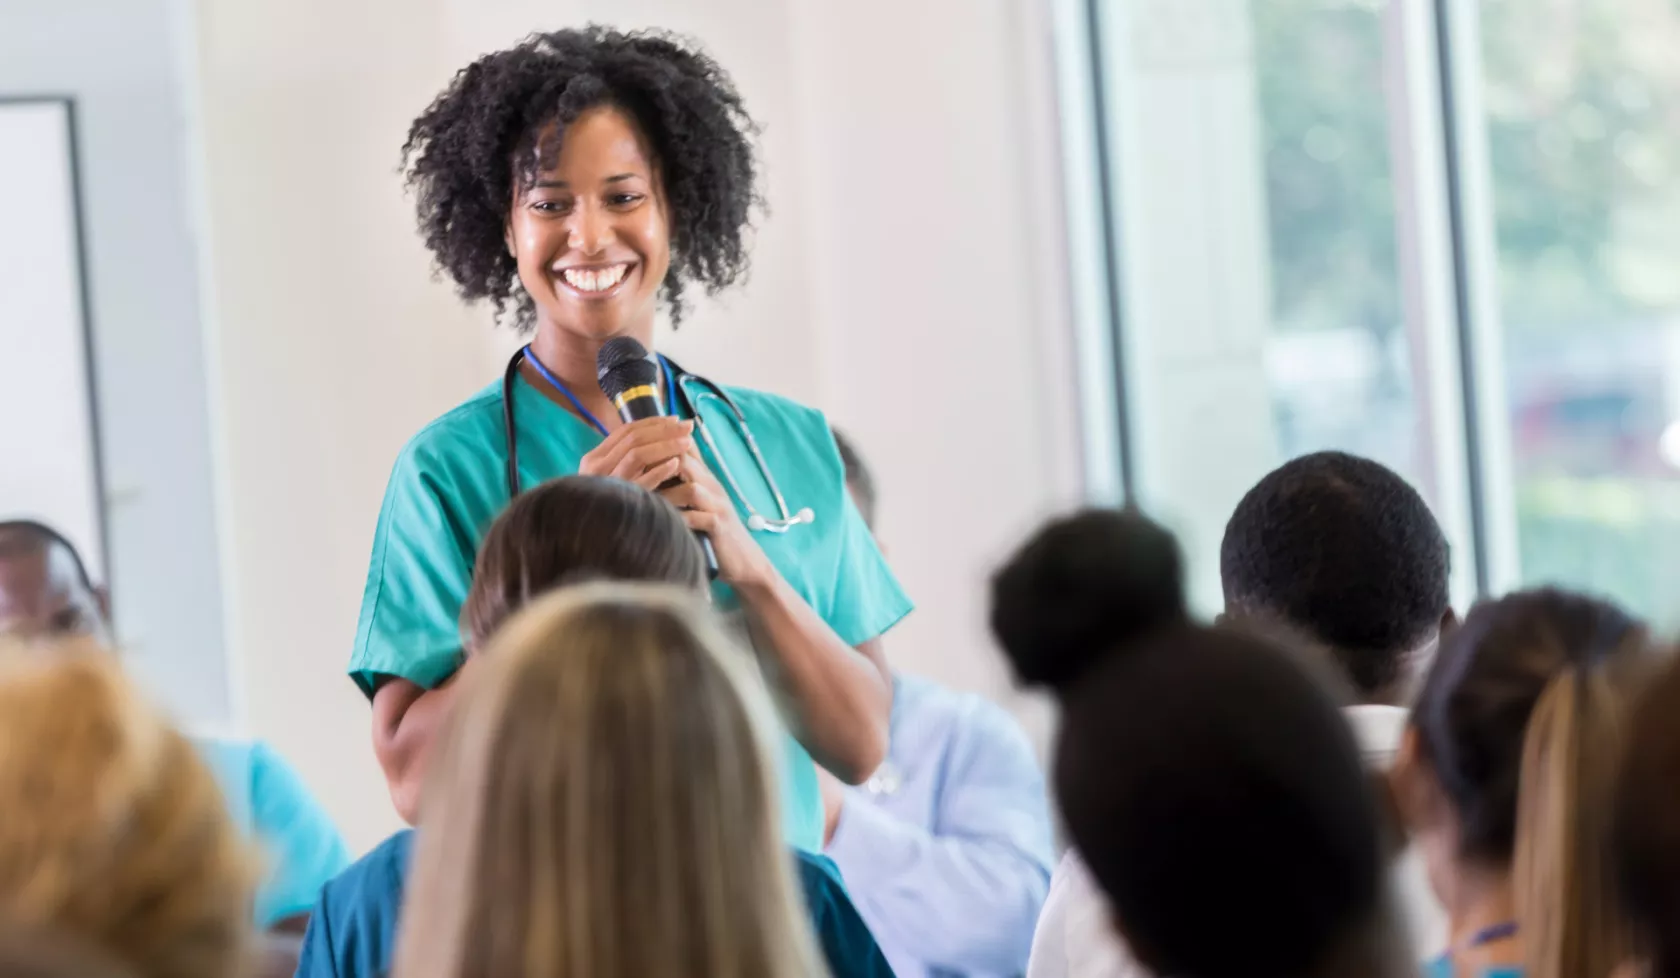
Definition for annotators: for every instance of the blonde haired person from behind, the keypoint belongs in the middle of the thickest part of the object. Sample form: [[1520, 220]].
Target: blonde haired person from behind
[[115, 837], [1645, 829], [602, 804]]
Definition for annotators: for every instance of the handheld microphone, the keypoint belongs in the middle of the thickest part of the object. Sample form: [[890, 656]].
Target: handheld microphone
[[630, 379]]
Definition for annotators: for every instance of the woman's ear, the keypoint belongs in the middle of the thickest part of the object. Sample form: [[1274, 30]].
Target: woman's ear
[[507, 239], [1410, 784]]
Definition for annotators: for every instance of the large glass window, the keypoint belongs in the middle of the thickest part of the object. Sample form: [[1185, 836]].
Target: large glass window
[[1332, 237], [1582, 116], [1260, 188], [1337, 358]]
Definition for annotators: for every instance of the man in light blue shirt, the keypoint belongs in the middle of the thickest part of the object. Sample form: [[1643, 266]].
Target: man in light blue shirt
[[947, 850]]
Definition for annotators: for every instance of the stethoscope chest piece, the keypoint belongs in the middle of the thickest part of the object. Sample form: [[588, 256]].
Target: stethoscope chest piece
[[759, 524]]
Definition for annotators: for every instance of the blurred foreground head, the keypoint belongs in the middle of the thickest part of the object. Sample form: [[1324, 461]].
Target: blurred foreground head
[[1210, 783], [115, 836], [1508, 766], [602, 804], [45, 589], [1646, 826]]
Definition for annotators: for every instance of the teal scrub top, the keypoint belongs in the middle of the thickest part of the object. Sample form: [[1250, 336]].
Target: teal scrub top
[[267, 799], [450, 483]]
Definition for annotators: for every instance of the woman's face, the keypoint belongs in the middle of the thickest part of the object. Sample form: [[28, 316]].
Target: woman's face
[[590, 232], [1431, 823]]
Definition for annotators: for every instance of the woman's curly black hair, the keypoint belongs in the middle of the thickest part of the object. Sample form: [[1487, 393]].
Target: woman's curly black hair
[[476, 145]]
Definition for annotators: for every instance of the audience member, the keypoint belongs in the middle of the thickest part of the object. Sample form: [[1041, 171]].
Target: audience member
[[1505, 778], [1645, 829], [115, 838], [1209, 780], [563, 531], [947, 849], [603, 803], [1343, 553], [26, 954], [46, 592]]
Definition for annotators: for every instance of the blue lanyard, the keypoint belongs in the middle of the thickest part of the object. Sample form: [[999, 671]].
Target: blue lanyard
[[1488, 935], [583, 412]]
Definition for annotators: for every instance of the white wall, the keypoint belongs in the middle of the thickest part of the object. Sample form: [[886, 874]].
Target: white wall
[[938, 289], [119, 60], [906, 280], [47, 437]]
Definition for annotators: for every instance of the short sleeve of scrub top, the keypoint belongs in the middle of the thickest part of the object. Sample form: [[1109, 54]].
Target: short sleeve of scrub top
[[449, 484], [266, 797]]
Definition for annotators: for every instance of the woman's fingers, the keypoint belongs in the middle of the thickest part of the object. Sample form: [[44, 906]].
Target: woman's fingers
[[699, 473], [610, 457], [700, 522], [659, 474], [640, 458], [696, 496]]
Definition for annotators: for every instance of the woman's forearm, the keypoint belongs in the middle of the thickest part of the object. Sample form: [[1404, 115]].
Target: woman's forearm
[[406, 718], [838, 699]]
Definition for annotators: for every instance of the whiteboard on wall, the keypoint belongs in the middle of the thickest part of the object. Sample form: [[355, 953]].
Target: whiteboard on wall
[[49, 454]]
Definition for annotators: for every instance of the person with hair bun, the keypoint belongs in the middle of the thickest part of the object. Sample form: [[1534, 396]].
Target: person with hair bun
[[1210, 782], [1505, 776], [1336, 557]]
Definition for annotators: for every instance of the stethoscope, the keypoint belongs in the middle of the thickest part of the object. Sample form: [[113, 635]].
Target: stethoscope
[[677, 382]]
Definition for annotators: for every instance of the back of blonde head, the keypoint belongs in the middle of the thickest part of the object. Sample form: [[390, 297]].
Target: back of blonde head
[[1567, 897], [115, 834], [602, 805]]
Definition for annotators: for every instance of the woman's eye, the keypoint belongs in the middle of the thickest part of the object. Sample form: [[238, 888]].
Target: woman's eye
[[550, 207], [624, 200]]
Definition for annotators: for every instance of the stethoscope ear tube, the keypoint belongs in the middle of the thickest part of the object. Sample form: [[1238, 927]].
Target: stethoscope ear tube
[[510, 434]]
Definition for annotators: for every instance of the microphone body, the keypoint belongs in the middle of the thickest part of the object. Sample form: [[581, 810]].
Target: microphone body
[[631, 381]]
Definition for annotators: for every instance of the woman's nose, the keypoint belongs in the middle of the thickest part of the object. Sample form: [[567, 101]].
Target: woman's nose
[[591, 230]]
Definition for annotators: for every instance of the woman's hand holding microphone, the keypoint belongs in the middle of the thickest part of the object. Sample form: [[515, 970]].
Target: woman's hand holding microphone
[[660, 455]]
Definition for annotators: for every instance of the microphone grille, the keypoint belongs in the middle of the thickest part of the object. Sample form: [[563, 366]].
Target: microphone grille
[[618, 351], [623, 376]]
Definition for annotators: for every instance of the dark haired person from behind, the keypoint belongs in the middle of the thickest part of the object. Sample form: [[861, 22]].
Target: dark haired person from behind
[[1505, 778], [582, 183], [565, 531], [1344, 550], [1645, 829], [1208, 779], [1343, 556]]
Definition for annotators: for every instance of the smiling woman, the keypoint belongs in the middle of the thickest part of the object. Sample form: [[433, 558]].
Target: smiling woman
[[577, 182]]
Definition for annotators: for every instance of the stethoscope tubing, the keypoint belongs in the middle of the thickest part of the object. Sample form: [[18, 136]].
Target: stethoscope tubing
[[678, 380]]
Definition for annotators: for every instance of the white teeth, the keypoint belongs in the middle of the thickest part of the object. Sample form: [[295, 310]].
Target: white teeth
[[595, 280]]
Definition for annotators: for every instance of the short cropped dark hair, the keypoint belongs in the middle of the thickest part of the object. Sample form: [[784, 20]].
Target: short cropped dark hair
[[473, 148], [1343, 549]]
